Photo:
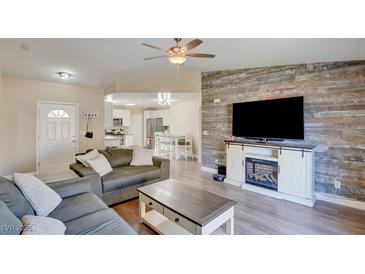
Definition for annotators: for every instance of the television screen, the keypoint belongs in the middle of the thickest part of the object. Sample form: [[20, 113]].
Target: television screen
[[270, 119]]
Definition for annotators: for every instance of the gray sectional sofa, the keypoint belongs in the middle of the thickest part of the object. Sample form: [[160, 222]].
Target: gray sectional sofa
[[121, 184], [81, 210]]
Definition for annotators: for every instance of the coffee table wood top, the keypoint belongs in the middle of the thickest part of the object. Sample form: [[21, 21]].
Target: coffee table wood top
[[197, 205]]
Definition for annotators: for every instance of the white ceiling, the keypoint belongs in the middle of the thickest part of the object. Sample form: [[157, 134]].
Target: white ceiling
[[97, 62], [149, 100]]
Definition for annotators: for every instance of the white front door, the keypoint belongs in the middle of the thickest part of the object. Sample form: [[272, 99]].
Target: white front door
[[57, 136]]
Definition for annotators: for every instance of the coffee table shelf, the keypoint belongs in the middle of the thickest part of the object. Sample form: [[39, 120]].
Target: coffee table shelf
[[162, 225], [179, 209]]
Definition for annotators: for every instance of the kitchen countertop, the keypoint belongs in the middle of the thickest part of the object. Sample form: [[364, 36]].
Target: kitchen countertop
[[116, 137]]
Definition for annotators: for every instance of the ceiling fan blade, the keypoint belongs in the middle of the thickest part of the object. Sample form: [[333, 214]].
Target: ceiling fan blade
[[155, 57], [192, 44], [151, 46], [201, 55]]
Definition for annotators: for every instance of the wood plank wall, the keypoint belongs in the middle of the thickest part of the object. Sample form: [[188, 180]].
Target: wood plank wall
[[334, 103]]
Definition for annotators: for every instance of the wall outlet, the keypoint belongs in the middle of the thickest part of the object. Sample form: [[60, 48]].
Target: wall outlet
[[216, 161], [217, 100], [337, 184]]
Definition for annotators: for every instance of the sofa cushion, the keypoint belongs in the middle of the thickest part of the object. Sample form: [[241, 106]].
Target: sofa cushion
[[77, 206], [112, 181], [9, 223], [40, 225], [129, 175], [14, 199], [118, 157], [102, 222]]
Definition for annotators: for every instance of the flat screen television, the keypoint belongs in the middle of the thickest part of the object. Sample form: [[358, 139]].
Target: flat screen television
[[276, 119]]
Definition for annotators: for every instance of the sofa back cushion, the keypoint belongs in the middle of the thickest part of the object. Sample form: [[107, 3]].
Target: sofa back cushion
[[14, 199], [118, 157], [9, 223]]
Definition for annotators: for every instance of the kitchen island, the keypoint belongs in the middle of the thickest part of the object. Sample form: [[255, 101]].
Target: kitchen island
[[118, 140]]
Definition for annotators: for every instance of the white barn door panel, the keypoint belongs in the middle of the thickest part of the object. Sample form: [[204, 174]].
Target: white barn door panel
[[292, 167], [234, 162]]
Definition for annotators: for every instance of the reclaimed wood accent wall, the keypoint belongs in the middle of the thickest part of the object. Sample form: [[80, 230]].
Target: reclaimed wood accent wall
[[334, 105]]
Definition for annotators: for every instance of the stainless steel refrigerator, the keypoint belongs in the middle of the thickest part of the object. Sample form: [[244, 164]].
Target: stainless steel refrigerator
[[153, 125]]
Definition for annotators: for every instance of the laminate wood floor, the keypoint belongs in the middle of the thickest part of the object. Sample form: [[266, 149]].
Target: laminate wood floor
[[259, 214]]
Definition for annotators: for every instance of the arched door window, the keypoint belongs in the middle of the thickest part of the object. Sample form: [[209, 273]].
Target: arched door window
[[58, 113]]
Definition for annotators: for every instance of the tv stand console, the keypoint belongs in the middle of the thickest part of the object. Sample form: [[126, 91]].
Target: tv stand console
[[279, 170]]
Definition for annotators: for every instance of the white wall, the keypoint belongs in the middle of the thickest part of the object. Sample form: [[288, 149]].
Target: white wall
[[19, 109], [136, 127], [185, 119]]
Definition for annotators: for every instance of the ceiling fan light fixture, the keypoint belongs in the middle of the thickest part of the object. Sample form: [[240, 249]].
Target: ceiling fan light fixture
[[177, 60], [64, 75]]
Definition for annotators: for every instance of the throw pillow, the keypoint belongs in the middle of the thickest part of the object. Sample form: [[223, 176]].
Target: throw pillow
[[142, 157], [9, 223], [100, 164], [40, 225], [41, 197], [87, 156]]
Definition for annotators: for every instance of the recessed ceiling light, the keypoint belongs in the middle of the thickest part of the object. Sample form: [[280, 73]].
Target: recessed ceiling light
[[130, 104], [64, 75]]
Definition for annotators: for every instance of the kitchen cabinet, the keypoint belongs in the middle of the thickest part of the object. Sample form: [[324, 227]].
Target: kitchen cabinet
[[128, 140], [164, 114], [121, 141], [112, 142], [122, 114]]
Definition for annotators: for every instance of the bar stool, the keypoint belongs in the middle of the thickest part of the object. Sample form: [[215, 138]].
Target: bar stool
[[158, 145], [185, 146]]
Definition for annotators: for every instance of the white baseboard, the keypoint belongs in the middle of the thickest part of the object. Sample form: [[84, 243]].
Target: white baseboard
[[209, 169], [340, 201], [232, 182], [280, 195]]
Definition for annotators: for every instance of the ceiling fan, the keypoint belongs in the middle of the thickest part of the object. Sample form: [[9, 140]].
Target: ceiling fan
[[178, 54]]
